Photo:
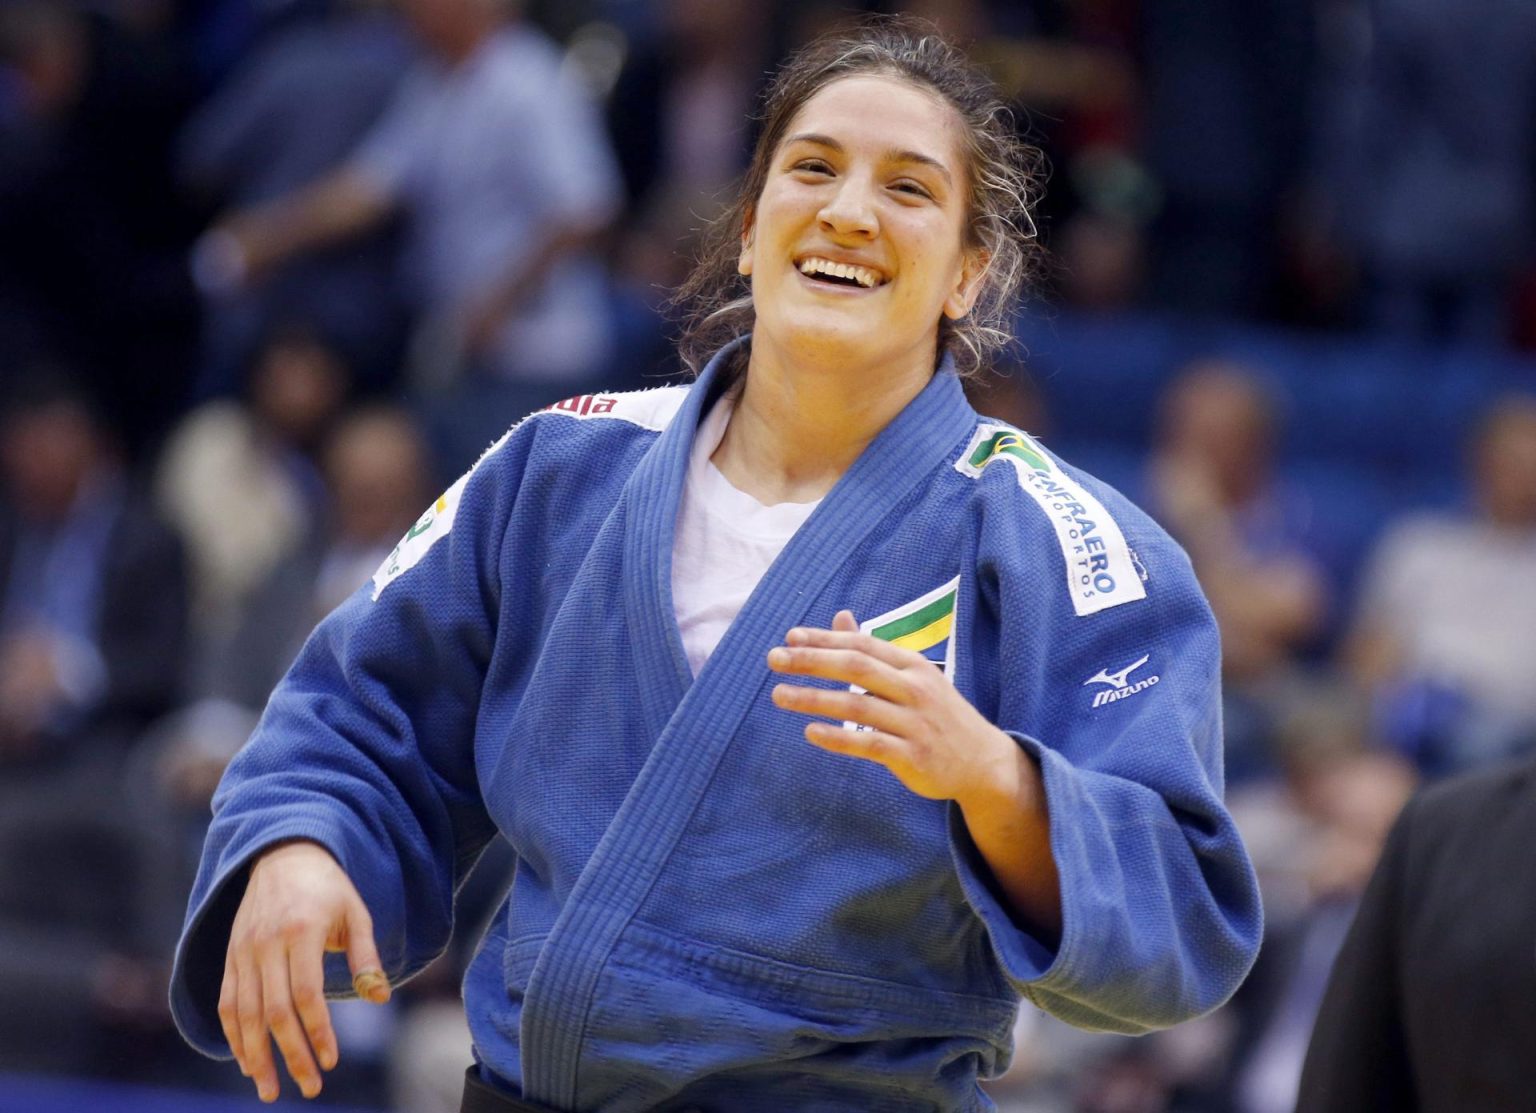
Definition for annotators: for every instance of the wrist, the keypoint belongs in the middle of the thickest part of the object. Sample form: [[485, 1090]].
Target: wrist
[[1005, 782], [287, 848]]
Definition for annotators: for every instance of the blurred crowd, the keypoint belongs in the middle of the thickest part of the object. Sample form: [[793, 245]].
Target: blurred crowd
[[273, 272]]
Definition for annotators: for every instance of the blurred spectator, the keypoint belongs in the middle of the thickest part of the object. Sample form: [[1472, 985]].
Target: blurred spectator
[[242, 481], [493, 154], [1213, 484], [91, 236], [1433, 177], [92, 621], [1070, 68], [92, 595], [1326, 832], [1445, 633], [679, 117], [377, 481], [1432, 1004], [294, 110]]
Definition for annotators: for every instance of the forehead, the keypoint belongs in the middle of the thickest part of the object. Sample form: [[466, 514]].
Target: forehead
[[879, 113]]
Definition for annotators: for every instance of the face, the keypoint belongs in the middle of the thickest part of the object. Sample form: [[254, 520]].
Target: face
[[1504, 463], [47, 454], [445, 26], [855, 248]]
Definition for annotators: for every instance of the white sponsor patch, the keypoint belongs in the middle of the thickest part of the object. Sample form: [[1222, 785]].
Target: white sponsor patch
[[650, 409], [1100, 568], [431, 526]]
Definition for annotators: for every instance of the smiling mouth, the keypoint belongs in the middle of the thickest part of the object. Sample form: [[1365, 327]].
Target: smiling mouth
[[840, 274]]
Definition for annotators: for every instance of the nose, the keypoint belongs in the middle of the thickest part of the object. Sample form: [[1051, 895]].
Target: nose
[[850, 211]]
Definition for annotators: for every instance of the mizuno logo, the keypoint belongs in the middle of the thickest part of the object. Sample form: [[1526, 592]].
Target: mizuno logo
[[1116, 679], [1118, 685]]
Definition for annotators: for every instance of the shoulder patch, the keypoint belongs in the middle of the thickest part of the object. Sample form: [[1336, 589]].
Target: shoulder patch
[[431, 526], [649, 409], [1100, 568]]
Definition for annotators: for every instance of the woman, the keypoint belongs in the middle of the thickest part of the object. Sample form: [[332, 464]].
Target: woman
[[606, 640]]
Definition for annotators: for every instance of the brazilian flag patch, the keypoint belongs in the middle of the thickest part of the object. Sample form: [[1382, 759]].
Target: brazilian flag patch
[[926, 624]]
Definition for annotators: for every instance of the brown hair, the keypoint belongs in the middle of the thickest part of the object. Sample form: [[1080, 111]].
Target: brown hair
[[715, 302]]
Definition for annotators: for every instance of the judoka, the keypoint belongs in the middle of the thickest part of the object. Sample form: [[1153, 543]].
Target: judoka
[[786, 687]]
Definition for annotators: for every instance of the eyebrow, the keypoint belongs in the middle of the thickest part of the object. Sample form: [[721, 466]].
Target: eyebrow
[[893, 155]]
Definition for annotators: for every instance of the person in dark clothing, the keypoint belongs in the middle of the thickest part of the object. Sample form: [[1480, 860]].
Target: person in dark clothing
[[92, 628], [1432, 1002]]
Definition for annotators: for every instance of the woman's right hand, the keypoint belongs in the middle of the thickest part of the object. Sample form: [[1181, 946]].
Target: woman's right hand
[[298, 905]]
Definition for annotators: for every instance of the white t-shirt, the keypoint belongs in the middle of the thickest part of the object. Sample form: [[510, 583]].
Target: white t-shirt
[[724, 543], [1459, 597]]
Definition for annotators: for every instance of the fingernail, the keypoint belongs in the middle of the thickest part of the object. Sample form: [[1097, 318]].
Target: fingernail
[[371, 985], [328, 1059], [778, 656]]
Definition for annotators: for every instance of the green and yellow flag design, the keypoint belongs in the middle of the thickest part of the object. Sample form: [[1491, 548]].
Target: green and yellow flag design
[[1007, 441], [926, 624]]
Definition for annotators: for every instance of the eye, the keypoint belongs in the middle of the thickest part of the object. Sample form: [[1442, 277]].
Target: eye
[[915, 189], [813, 166]]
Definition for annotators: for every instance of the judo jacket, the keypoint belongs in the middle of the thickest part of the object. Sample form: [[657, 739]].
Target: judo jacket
[[708, 911]]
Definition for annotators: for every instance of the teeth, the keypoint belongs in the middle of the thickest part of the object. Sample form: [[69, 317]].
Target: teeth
[[862, 275]]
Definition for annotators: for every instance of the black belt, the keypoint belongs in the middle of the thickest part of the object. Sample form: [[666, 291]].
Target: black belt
[[481, 1097]]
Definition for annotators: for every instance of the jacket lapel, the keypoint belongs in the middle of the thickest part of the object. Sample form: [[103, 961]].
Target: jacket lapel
[[695, 723]]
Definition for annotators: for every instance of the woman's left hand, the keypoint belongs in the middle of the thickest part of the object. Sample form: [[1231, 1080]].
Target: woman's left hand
[[919, 726]]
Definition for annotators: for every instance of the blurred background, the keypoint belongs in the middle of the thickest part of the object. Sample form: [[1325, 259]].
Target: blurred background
[[274, 272]]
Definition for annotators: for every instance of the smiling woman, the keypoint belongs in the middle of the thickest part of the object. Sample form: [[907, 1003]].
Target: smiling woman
[[991, 177], [781, 686]]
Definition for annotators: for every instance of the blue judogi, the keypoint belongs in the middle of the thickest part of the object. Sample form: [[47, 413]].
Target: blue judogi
[[709, 911]]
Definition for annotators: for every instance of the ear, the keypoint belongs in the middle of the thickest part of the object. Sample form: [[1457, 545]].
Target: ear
[[744, 260], [972, 272]]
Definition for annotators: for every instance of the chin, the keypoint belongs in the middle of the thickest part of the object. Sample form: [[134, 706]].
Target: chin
[[822, 340]]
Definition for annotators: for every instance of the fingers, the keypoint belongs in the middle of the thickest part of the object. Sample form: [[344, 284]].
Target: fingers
[[872, 745], [857, 707], [306, 970], [257, 1062], [298, 904], [847, 666], [845, 634], [278, 1013], [368, 979], [229, 1014]]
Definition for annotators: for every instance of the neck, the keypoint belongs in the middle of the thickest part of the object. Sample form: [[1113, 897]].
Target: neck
[[799, 426]]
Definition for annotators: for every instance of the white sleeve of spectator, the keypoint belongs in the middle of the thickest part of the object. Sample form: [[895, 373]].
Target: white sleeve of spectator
[[1388, 586], [576, 161]]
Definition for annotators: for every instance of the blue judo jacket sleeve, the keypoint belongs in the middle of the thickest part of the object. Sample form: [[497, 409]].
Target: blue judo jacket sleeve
[[1161, 911], [367, 747]]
